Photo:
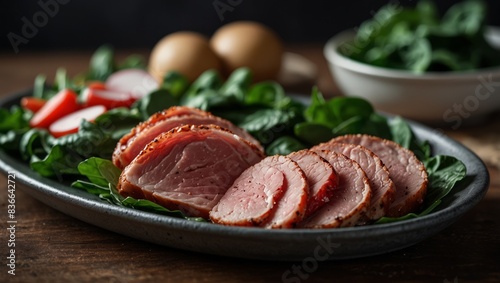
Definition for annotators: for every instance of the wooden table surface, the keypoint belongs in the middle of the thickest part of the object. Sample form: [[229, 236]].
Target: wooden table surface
[[53, 247]]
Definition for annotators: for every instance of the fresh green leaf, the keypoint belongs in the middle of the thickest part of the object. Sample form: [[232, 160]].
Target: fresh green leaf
[[319, 111], [313, 133], [237, 84], [60, 161], [10, 141], [155, 101], [90, 141], [443, 172], [133, 62], [118, 121], [403, 135], [61, 80], [34, 142], [268, 124], [269, 94], [99, 171], [175, 83], [102, 64], [92, 188], [377, 125], [284, 145], [209, 99], [14, 119], [466, 17], [209, 80]]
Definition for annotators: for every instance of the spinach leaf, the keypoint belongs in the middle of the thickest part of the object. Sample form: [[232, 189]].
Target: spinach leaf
[[444, 172], [209, 99], [41, 90], [91, 140], [118, 121], [403, 135], [59, 162], [94, 189], [14, 119], [268, 94], [155, 101], [175, 83], [465, 18], [313, 133], [209, 80], [237, 84], [133, 62], [284, 145], [34, 142], [268, 124], [101, 64], [99, 171], [10, 140], [377, 125], [319, 111]]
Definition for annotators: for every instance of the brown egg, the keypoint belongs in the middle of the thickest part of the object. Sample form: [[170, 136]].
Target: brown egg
[[188, 53], [248, 44]]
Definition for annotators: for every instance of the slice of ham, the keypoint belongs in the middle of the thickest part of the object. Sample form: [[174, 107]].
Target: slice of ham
[[131, 144], [253, 195], [406, 171], [291, 207], [321, 178], [188, 168], [351, 199], [383, 188]]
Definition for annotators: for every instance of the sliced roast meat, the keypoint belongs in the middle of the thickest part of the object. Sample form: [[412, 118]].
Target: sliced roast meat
[[188, 168], [253, 195], [350, 200], [131, 144], [321, 178], [382, 186], [291, 207], [406, 171]]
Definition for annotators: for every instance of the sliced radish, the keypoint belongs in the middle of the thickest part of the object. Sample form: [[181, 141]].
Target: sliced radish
[[135, 81], [62, 104], [108, 98], [96, 85], [32, 104], [69, 124]]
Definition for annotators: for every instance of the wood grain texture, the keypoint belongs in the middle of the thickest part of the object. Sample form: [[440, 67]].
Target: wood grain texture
[[53, 247]]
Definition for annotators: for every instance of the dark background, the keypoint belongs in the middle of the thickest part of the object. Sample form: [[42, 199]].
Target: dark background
[[87, 24]]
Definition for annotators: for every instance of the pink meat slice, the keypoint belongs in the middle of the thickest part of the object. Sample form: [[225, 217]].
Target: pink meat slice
[[253, 195], [131, 144], [321, 178], [188, 168], [406, 171], [351, 199], [291, 207], [383, 188]]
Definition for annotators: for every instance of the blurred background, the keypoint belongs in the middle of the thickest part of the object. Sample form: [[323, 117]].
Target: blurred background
[[72, 24]]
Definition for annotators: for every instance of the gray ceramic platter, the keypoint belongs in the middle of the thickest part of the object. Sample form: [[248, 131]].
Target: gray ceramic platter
[[257, 243]]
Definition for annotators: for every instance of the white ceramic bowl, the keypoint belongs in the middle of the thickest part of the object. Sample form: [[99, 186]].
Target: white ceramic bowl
[[451, 98]]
